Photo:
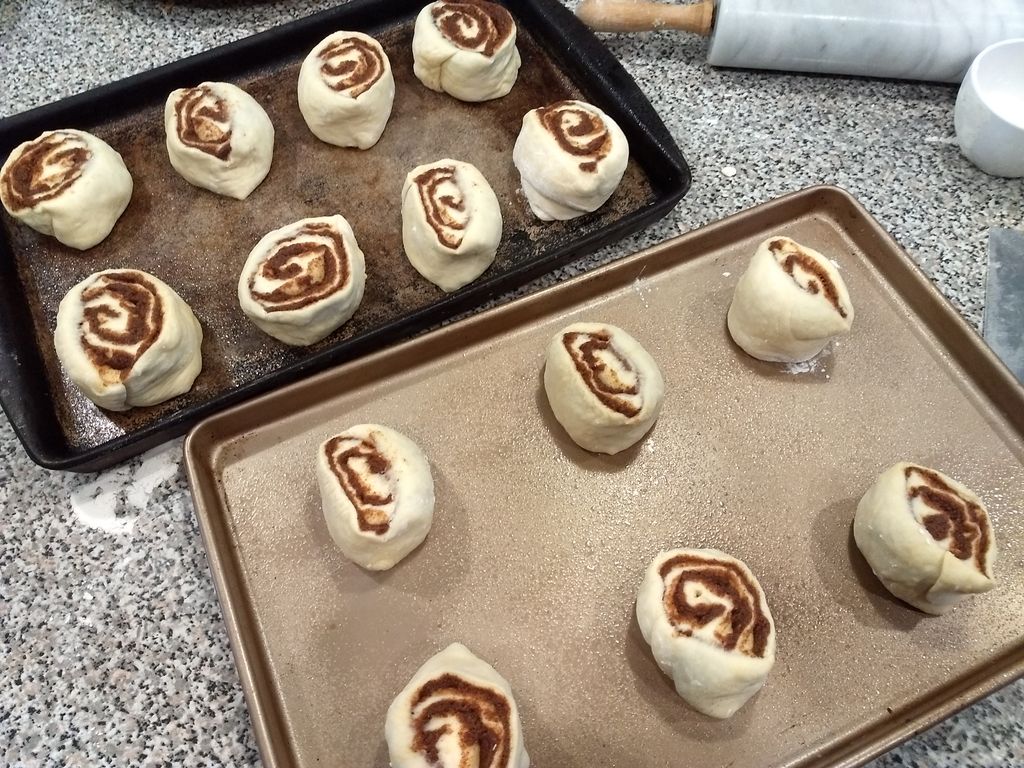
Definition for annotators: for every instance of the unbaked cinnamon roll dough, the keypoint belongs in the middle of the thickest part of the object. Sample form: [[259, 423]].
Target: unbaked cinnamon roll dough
[[451, 222], [604, 388], [219, 138], [455, 712], [377, 494], [707, 621], [346, 90], [927, 537], [67, 183], [789, 304], [303, 281], [126, 339], [466, 48], [571, 157]]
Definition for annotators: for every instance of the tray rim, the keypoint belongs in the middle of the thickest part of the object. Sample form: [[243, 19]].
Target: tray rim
[[579, 53], [205, 443]]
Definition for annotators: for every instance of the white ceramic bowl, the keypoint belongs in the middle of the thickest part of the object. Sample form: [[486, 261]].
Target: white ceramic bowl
[[989, 116]]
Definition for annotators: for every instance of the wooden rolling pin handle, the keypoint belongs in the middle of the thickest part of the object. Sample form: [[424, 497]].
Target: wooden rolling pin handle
[[637, 16]]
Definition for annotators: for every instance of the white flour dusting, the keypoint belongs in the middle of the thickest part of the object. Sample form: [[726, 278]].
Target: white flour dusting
[[158, 466], [95, 504], [642, 287], [809, 366], [112, 502], [815, 365]]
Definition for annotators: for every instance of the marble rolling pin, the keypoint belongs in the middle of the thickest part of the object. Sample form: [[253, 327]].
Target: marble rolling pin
[[908, 39]]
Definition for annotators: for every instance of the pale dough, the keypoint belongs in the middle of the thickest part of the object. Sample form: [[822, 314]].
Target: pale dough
[[466, 49], [451, 222], [219, 138], [571, 157], [303, 281], [927, 537], [126, 339], [377, 493], [604, 388], [789, 304], [707, 621], [346, 90], [67, 183], [459, 703]]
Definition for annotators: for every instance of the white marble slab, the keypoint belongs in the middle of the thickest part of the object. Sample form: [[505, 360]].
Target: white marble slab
[[932, 40]]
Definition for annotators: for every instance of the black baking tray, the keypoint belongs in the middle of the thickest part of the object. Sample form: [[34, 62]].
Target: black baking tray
[[60, 429]]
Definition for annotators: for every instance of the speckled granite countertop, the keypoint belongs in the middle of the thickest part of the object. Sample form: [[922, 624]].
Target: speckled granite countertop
[[112, 650]]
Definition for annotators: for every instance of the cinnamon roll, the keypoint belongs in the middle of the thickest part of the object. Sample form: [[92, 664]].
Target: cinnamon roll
[[571, 157], [219, 138], [451, 222], [603, 387], [303, 281], [377, 494], [928, 538], [69, 184], [126, 339], [466, 48], [789, 304], [346, 89], [706, 619], [456, 712]]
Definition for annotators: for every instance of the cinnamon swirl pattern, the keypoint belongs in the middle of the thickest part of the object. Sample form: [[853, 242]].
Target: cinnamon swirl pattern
[[571, 157], [451, 222], [456, 712], [789, 304], [346, 90], [604, 388], [928, 538], [377, 494], [707, 621], [126, 340], [303, 281], [69, 184], [219, 138], [466, 48]]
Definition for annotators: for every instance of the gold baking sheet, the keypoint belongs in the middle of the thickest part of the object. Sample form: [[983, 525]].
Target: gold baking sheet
[[537, 547]]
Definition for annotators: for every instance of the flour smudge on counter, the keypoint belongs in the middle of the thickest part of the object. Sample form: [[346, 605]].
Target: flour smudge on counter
[[113, 501]]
